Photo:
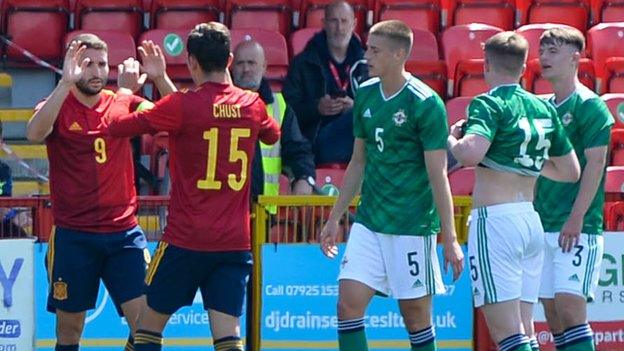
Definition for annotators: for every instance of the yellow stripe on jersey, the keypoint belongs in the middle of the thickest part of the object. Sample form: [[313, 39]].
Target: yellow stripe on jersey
[[160, 252], [50, 255]]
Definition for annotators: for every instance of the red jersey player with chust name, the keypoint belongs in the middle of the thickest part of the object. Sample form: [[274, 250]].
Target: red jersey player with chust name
[[92, 188], [213, 131]]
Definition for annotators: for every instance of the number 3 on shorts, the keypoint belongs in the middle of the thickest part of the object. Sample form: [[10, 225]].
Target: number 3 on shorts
[[577, 256]]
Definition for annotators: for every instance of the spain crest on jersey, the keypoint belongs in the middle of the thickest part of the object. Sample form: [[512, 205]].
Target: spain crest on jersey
[[399, 118]]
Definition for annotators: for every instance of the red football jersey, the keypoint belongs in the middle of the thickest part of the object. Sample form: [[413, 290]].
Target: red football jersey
[[91, 172], [212, 137]]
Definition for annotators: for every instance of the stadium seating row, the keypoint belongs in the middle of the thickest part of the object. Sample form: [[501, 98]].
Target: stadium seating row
[[22, 20], [433, 15], [457, 63]]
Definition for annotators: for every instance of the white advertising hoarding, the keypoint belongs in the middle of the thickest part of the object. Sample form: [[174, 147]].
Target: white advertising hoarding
[[17, 313]]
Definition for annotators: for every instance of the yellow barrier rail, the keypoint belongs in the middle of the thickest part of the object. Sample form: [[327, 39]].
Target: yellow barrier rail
[[299, 219]]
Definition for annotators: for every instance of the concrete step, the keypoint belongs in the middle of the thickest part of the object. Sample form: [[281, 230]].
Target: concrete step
[[14, 123]]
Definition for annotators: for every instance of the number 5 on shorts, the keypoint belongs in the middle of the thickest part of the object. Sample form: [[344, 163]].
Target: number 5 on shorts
[[412, 262], [474, 274]]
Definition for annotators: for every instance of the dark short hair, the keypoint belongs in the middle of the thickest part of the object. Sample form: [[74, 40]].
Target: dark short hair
[[210, 44], [507, 52], [563, 35], [91, 41], [396, 31]]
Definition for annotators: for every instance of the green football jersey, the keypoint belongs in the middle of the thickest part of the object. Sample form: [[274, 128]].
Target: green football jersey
[[523, 130], [396, 195], [587, 121]]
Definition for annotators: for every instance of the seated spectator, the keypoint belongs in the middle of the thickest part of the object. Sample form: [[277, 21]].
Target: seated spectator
[[321, 84], [293, 152]]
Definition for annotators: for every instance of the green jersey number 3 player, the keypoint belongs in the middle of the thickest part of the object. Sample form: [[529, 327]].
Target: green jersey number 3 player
[[572, 213]]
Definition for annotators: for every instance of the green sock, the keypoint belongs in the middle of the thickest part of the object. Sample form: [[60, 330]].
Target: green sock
[[579, 338], [585, 345], [559, 342], [517, 342], [430, 346], [534, 344], [351, 335], [423, 340]]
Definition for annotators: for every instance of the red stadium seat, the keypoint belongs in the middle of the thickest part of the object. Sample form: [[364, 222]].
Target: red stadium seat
[[299, 39], [614, 74], [538, 85], [421, 14], [37, 26], [275, 15], [614, 182], [464, 42], [607, 11], [424, 61], [118, 15], [432, 73], [616, 145], [425, 46], [574, 13], [498, 13], [617, 157], [457, 109], [120, 47], [176, 62], [275, 50], [469, 78], [313, 12], [615, 102], [614, 216], [605, 44], [183, 14], [462, 181]]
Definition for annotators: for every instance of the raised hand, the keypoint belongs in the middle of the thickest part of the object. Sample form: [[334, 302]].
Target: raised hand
[[73, 68], [154, 63], [129, 75]]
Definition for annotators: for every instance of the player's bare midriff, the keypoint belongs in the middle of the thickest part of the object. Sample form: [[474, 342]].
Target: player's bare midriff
[[495, 187]]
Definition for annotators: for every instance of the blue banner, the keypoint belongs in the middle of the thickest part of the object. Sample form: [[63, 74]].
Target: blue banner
[[299, 305], [188, 329]]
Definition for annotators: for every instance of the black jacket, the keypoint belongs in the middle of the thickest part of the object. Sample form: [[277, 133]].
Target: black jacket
[[296, 151], [309, 78]]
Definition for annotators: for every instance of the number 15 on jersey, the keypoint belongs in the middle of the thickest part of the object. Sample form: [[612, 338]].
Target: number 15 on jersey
[[235, 181]]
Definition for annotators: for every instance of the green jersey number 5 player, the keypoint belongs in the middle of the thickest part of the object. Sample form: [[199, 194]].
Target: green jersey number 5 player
[[399, 161]]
